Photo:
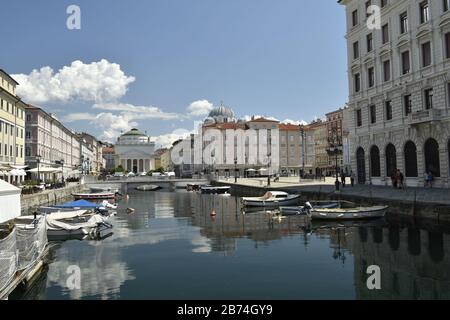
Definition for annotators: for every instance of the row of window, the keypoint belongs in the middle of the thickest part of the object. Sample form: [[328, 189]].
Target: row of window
[[7, 150], [9, 128], [407, 105], [424, 13], [8, 86], [9, 107], [405, 64]]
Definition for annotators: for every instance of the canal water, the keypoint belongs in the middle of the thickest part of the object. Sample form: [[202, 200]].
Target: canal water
[[172, 248]]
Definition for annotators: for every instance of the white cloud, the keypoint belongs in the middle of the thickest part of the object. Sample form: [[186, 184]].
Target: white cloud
[[138, 112], [98, 81], [248, 118], [295, 122], [114, 124], [82, 116], [199, 108], [166, 140]]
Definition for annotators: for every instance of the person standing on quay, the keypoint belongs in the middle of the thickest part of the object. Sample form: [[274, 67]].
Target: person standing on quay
[[352, 178], [401, 180], [343, 178]]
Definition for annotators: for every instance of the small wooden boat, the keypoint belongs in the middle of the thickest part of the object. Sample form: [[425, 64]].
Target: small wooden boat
[[94, 196], [358, 213], [302, 210], [103, 189], [324, 204], [74, 223], [103, 208], [148, 187], [215, 190], [272, 199]]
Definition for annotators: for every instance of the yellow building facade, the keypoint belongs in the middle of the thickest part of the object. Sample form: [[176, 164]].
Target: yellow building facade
[[12, 127]]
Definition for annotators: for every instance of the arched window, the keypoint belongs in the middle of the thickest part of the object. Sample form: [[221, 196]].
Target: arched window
[[361, 165], [391, 159], [432, 157], [411, 160], [375, 162]]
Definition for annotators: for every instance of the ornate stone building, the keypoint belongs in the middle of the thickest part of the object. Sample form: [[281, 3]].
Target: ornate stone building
[[399, 91], [134, 151]]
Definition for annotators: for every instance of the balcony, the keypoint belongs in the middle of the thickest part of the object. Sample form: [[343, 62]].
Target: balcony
[[426, 116]]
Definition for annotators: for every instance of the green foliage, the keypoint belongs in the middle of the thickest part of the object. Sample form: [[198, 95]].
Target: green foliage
[[119, 169]]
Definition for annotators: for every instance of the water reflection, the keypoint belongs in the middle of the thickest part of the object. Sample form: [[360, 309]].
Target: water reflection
[[172, 247], [414, 263]]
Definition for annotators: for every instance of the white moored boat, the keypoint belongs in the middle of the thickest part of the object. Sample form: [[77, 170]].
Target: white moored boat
[[272, 199], [148, 187], [358, 213], [72, 223]]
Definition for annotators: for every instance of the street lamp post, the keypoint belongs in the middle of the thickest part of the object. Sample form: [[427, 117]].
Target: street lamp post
[[235, 170], [268, 169], [82, 165], [62, 172], [334, 150], [38, 160]]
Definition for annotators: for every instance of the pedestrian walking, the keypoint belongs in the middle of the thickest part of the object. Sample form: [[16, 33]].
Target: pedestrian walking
[[352, 178], [430, 179], [394, 179], [343, 179]]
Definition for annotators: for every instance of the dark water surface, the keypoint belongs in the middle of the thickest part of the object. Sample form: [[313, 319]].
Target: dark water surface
[[172, 248]]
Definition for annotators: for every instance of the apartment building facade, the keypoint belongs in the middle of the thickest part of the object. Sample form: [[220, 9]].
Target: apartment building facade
[[335, 136], [96, 148], [12, 127], [321, 159], [399, 90], [49, 144]]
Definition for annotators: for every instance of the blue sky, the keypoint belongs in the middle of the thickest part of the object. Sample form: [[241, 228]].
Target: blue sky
[[285, 59]]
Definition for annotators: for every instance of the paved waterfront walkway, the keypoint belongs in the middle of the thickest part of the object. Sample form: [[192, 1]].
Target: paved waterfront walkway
[[424, 195]]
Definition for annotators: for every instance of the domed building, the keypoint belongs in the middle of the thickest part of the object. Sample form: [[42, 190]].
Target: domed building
[[221, 114], [134, 151]]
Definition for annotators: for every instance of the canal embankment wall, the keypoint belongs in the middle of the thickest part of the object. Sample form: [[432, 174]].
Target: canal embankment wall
[[411, 204], [50, 197]]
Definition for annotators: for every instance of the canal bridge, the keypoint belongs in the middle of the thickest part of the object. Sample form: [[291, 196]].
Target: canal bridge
[[126, 184]]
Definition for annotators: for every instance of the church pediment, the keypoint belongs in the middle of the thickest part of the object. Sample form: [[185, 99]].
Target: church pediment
[[134, 153]]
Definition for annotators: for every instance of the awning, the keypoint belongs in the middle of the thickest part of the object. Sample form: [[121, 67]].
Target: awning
[[45, 170], [17, 173], [18, 167]]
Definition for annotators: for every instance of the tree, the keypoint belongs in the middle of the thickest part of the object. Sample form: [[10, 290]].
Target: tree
[[119, 169]]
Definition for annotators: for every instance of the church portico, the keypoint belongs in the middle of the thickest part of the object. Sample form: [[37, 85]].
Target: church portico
[[135, 152]]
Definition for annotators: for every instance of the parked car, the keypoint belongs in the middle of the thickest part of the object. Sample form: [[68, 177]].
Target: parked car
[[131, 174]]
